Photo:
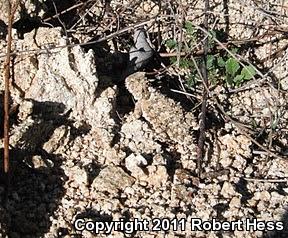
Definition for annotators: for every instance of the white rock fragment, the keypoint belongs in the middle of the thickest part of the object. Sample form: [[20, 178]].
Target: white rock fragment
[[135, 165], [138, 137], [227, 190], [225, 161], [276, 199], [157, 175], [40, 163], [264, 195], [239, 162], [284, 83], [78, 177], [235, 145], [63, 75], [25, 109], [153, 175], [129, 190], [235, 202]]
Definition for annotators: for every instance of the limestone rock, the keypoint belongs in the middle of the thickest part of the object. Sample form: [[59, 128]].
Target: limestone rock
[[60, 75]]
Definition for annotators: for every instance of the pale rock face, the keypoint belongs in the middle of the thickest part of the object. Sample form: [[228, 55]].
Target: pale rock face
[[61, 75], [66, 76]]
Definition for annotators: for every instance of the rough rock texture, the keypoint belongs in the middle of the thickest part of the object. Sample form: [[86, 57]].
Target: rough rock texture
[[66, 75], [33, 8]]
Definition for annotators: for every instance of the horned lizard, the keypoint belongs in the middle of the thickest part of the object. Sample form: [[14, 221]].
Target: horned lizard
[[167, 118]]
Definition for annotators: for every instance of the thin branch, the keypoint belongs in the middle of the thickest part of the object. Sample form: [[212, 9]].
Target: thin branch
[[104, 38], [202, 123], [58, 14], [11, 13], [244, 130], [266, 180]]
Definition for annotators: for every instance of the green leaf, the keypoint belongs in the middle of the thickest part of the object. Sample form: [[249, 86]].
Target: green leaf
[[211, 39], [185, 63], [210, 61], [229, 79], [221, 62], [171, 43], [234, 50], [213, 76], [238, 79], [248, 72], [232, 66], [192, 79], [213, 34], [189, 27], [173, 60]]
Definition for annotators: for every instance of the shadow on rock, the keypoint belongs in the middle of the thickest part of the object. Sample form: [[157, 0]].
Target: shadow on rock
[[37, 179], [281, 233]]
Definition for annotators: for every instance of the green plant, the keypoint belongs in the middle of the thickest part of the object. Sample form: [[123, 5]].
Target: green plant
[[235, 76], [219, 65]]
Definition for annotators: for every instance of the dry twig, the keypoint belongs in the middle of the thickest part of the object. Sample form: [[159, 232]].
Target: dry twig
[[202, 124], [11, 12]]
